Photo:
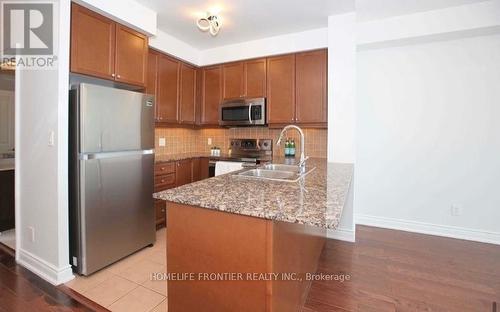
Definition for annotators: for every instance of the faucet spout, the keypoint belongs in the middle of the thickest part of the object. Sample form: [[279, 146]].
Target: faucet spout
[[303, 158]]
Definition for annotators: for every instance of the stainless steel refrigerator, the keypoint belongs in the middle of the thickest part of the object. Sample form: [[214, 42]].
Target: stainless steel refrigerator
[[111, 175]]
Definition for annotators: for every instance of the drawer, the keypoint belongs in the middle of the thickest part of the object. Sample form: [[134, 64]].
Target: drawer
[[163, 168], [161, 210], [164, 181]]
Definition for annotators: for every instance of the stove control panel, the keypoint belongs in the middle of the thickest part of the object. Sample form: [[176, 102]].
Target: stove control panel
[[252, 144]]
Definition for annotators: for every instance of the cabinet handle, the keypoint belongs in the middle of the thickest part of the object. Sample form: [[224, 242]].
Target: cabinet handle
[[162, 180], [163, 210], [162, 168], [113, 75], [118, 76]]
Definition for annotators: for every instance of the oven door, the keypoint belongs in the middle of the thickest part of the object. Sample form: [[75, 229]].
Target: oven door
[[248, 112]]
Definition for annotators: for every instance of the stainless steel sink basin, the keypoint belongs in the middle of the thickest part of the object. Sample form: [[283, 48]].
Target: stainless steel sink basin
[[270, 174], [275, 174], [279, 167]]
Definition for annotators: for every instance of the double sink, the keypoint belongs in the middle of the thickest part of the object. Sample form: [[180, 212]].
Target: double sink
[[276, 172]]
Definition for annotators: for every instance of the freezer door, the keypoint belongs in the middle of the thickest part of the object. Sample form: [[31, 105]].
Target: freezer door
[[114, 119], [116, 207]]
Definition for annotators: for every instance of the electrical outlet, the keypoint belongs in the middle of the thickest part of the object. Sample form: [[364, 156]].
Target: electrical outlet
[[31, 233], [455, 210], [209, 141], [162, 142]]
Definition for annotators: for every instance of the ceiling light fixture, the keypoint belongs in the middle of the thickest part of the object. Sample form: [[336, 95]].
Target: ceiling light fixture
[[210, 23]]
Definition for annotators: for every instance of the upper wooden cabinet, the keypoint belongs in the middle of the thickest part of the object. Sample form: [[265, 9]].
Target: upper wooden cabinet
[[167, 97], [211, 95], [233, 76], [92, 43], [311, 87], [281, 89], [187, 94], [105, 49], [255, 78], [244, 79], [131, 56]]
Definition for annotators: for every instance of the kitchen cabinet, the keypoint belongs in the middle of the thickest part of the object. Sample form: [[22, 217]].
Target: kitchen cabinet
[[281, 89], [203, 170], [131, 56], [160, 212], [311, 87], [168, 89], [183, 172], [92, 43], [199, 169], [245, 79], [105, 49], [211, 95], [255, 78], [233, 77], [176, 173], [187, 94]]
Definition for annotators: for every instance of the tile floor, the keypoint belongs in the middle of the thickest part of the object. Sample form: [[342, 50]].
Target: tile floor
[[8, 238], [128, 285]]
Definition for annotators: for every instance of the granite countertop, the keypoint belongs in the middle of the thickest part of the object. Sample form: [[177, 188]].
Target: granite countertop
[[7, 164], [317, 200]]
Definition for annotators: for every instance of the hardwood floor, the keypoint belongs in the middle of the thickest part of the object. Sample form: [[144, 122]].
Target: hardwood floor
[[21, 290], [390, 271], [400, 271]]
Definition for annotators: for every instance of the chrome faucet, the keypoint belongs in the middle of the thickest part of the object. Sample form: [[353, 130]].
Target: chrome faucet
[[303, 158]]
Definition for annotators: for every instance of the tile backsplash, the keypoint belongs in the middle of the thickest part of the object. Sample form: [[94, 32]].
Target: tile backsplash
[[181, 140]]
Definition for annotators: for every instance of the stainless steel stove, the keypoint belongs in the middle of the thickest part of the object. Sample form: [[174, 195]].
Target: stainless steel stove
[[250, 151]]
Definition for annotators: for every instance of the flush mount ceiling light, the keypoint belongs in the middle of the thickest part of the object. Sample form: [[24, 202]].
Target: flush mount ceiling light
[[210, 23]]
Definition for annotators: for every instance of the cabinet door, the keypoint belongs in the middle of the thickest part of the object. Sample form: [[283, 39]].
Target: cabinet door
[[195, 165], [204, 164], [233, 80], [161, 213], [187, 94], [255, 78], [168, 89], [152, 78], [281, 89], [311, 87], [183, 172], [92, 43], [211, 95], [131, 56]]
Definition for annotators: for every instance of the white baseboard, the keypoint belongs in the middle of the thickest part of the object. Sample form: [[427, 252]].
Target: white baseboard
[[42, 268], [342, 234], [429, 228]]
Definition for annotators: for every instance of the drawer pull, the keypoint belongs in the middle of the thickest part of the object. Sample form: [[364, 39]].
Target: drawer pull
[[162, 180]]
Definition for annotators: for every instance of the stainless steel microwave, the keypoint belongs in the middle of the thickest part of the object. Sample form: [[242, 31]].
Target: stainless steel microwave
[[243, 112]]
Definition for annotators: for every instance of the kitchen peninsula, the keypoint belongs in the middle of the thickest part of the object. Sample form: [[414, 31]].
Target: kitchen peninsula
[[271, 233]]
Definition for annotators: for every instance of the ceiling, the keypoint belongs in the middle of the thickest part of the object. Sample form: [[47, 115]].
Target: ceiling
[[244, 20], [377, 9]]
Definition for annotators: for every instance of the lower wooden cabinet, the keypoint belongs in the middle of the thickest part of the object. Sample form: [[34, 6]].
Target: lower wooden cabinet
[[161, 213], [176, 173]]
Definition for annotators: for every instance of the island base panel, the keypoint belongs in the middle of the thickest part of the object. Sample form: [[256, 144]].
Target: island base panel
[[201, 240]]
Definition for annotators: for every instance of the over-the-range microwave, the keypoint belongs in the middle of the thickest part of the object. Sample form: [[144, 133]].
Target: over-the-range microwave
[[243, 112]]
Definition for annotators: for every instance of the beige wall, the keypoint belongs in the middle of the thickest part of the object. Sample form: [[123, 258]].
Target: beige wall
[[179, 140]]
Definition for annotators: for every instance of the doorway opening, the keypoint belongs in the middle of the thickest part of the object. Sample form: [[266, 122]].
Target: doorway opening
[[7, 157]]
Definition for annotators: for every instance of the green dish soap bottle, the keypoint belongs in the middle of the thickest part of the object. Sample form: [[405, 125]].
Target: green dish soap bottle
[[287, 148]]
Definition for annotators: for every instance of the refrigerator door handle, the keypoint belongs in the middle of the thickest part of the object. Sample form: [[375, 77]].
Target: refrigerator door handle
[[87, 156]]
